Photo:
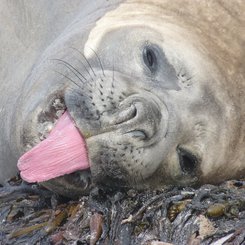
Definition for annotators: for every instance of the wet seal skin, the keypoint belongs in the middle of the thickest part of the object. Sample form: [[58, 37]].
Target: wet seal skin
[[157, 91]]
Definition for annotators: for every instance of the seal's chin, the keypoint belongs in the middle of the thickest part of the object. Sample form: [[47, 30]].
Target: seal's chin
[[71, 185]]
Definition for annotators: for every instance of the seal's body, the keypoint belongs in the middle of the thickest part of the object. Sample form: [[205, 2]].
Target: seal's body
[[157, 90]]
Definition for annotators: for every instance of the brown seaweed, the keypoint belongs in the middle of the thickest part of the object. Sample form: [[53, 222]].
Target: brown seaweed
[[29, 214]]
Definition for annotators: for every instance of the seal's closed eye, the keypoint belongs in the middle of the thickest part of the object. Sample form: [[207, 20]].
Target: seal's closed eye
[[188, 162], [150, 58]]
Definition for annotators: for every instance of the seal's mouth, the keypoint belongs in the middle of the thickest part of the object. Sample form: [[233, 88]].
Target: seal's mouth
[[62, 149]]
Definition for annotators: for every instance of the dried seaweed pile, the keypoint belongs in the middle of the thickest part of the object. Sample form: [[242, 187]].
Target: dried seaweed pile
[[29, 214]]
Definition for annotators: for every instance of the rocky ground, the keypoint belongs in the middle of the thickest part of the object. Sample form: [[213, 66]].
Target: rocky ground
[[30, 214]]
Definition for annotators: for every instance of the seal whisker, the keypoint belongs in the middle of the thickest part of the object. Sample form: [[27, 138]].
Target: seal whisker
[[72, 68], [69, 79], [86, 69], [99, 61], [74, 73], [86, 61]]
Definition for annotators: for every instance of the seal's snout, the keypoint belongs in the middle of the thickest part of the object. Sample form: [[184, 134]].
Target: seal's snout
[[130, 118], [125, 114], [139, 118]]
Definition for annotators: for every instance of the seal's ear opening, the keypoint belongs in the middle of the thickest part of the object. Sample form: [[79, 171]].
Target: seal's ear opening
[[188, 162]]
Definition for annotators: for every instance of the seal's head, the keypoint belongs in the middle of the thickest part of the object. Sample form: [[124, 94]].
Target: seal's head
[[148, 99]]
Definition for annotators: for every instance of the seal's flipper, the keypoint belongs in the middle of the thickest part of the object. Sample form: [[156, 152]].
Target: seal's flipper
[[63, 152]]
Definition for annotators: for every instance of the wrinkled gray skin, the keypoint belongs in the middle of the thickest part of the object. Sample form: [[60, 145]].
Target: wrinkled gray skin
[[157, 90]]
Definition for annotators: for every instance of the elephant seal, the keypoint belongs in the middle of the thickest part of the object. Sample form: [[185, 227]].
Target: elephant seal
[[157, 91]]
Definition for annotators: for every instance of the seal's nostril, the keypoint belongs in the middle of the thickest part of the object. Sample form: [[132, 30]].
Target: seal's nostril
[[126, 114], [138, 134]]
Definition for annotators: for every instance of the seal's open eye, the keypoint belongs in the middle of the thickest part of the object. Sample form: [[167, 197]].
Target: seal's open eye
[[188, 162], [150, 58]]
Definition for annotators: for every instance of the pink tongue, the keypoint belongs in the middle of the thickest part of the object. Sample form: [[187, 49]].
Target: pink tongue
[[63, 152]]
